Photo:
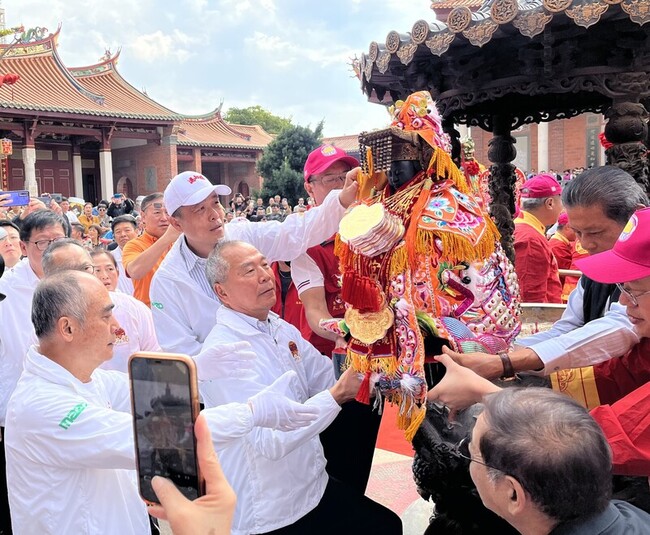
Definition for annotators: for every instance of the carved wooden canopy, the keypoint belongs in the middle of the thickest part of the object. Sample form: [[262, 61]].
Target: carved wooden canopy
[[537, 60]]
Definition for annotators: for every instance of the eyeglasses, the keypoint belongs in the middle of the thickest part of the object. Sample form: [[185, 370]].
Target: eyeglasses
[[329, 180], [88, 268], [41, 245], [632, 297], [462, 449]]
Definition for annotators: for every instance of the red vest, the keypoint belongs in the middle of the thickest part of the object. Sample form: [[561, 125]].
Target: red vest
[[617, 377], [324, 257], [292, 312]]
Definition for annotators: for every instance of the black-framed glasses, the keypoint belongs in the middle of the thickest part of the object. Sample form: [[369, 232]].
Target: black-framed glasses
[[329, 180], [41, 245], [462, 449], [632, 297]]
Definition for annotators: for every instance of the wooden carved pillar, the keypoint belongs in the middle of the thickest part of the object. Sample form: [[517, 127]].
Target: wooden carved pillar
[[450, 129], [627, 130], [501, 151]]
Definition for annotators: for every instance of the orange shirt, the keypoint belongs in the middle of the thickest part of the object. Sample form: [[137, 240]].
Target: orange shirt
[[87, 221], [131, 251]]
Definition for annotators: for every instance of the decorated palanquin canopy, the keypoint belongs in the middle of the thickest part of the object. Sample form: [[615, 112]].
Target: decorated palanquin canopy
[[534, 59]]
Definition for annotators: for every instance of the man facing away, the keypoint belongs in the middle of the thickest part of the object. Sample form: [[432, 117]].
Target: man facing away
[[280, 478]]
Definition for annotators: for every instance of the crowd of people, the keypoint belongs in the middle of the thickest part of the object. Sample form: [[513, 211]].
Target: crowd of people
[[253, 293]]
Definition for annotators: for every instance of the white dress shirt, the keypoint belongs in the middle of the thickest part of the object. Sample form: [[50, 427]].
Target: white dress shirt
[[182, 301], [70, 453], [16, 329], [278, 476], [572, 343], [124, 283]]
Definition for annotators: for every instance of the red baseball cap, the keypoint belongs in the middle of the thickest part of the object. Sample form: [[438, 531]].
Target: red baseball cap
[[540, 186], [323, 157], [628, 260], [563, 219]]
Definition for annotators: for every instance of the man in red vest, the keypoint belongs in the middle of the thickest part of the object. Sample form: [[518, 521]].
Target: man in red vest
[[535, 264], [317, 278]]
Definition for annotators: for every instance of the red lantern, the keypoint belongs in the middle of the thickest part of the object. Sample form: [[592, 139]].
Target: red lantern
[[9, 78]]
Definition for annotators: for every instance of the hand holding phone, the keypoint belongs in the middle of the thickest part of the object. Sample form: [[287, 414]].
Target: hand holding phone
[[211, 513], [14, 198], [165, 405]]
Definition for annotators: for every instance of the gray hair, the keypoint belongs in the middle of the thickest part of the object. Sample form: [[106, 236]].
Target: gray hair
[[552, 447], [57, 296], [217, 267], [609, 187], [532, 204], [50, 264]]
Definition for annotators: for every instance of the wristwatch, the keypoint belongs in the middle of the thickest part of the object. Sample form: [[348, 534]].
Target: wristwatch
[[508, 370]]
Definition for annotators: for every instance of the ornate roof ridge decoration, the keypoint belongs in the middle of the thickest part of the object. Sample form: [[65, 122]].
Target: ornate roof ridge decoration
[[214, 118], [32, 42], [529, 17], [107, 63]]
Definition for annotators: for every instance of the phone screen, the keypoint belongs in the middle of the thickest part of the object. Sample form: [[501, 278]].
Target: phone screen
[[164, 425]]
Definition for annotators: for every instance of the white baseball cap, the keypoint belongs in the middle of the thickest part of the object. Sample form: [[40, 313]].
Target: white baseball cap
[[189, 188]]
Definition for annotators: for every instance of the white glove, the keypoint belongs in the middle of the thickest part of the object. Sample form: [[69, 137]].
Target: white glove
[[271, 408], [225, 361]]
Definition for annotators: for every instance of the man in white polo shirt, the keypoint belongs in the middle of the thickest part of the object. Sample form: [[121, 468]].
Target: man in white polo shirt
[[183, 303]]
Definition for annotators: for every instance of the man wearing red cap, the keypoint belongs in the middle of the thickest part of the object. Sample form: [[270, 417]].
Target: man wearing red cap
[[535, 264], [562, 242], [316, 276]]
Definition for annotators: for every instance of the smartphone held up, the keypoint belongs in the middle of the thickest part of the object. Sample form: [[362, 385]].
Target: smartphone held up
[[16, 198], [165, 405]]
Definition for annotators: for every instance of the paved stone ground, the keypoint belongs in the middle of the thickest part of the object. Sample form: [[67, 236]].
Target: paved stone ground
[[391, 484]]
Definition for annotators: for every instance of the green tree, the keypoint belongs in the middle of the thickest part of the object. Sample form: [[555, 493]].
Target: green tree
[[282, 163], [273, 124]]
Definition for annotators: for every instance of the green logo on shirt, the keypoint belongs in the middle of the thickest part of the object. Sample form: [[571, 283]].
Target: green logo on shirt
[[72, 415], [159, 306]]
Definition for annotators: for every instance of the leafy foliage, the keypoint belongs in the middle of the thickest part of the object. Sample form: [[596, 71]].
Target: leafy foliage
[[282, 163], [273, 124]]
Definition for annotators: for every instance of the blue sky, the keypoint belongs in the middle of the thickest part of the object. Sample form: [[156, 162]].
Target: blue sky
[[289, 56]]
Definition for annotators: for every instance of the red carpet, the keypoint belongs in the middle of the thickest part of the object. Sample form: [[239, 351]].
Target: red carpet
[[390, 438]]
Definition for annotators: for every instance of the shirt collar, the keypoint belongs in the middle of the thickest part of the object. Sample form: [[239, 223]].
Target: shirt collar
[[191, 260], [531, 220], [597, 523], [561, 237]]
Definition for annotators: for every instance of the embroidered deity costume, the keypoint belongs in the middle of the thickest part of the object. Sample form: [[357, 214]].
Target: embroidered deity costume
[[420, 261]]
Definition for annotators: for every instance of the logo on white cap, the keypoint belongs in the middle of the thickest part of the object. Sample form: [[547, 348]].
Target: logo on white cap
[[193, 178]]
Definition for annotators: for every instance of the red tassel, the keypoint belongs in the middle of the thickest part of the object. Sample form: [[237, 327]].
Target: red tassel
[[363, 395]]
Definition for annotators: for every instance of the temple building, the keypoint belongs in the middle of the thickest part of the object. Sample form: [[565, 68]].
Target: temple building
[[86, 132]]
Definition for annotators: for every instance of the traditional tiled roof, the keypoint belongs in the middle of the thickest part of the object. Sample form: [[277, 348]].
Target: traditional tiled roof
[[211, 130], [104, 79], [347, 143], [47, 85]]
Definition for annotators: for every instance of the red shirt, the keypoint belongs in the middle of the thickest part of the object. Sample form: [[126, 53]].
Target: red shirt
[[562, 250], [626, 425], [291, 311], [535, 264]]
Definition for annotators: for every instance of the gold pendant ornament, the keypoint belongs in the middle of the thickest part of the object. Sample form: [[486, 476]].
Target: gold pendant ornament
[[371, 326]]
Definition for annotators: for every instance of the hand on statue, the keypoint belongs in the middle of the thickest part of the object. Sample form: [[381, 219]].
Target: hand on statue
[[349, 192], [347, 386], [209, 514], [460, 387], [483, 364]]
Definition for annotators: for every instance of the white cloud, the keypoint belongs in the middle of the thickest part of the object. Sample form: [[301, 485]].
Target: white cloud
[[158, 45]]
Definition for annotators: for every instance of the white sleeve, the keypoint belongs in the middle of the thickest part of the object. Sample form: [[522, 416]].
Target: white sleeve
[[306, 274], [572, 318], [68, 432], [296, 234], [170, 319], [146, 329], [274, 444], [117, 387], [596, 341], [319, 368], [228, 422]]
